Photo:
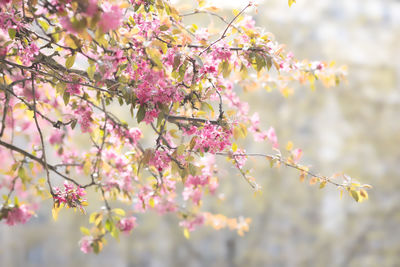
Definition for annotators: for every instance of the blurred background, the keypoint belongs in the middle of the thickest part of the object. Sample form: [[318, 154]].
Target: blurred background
[[352, 128]]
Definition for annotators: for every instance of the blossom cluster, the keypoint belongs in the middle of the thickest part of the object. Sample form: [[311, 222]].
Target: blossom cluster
[[18, 214], [71, 196]]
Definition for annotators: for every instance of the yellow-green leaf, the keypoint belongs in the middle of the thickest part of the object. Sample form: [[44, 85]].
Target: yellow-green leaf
[[186, 233], [355, 195], [85, 231], [155, 56], [151, 202], [70, 61], [234, 147], [90, 71], [118, 211], [44, 24], [55, 212], [12, 33]]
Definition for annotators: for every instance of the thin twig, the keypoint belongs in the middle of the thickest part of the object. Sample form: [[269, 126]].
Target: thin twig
[[225, 31], [41, 137]]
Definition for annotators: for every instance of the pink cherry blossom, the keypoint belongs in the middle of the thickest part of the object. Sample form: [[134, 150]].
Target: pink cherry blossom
[[67, 25], [240, 158], [192, 223], [111, 17], [297, 154], [127, 224], [56, 137], [91, 8], [271, 135], [84, 116], [212, 138], [19, 214], [86, 244], [71, 196], [4, 2]]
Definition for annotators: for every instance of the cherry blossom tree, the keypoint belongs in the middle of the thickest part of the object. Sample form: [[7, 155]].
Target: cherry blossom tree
[[65, 65]]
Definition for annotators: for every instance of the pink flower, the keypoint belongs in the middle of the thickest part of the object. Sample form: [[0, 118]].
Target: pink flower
[[134, 135], [222, 53], [127, 224], [74, 88], [240, 158], [248, 22], [202, 34], [4, 2], [70, 196], [84, 114], [18, 214], [260, 136], [212, 138], [192, 193], [86, 244], [191, 224], [66, 23], [111, 18], [151, 115], [56, 137], [28, 54], [160, 160], [271, 135], [91, 8], [297, 154], [196, 180]]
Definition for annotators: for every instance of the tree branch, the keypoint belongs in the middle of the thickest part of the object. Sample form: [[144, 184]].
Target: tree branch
[[39, 160]]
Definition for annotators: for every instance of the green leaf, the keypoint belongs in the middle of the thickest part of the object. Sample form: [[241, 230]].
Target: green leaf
[[66, 97], [55, 212], [96, 247], [151, 202], [109, 225], [182, 71], [22, 174], [90, 71], [177, 61], [155, 56], [141, 113], [70, 61], [73, 124], [234, 147], [12, 32], [44, 24], [180, 149], [355, 195], [260, 62], [118, 211], [16, 201], [85, 231], [93, 217], [164, 27], [186, 233], [226, 69], [269, 63], [115, 233], [160, 119]]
